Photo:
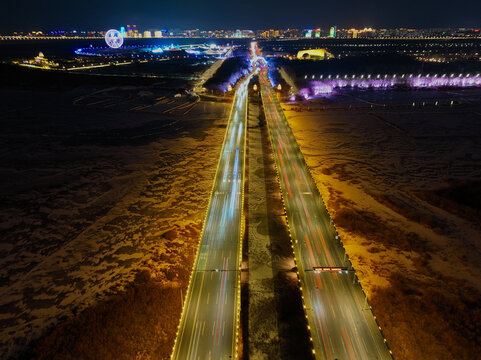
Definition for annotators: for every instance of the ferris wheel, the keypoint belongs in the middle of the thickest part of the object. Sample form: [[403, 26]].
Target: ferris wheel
[[114, 39]]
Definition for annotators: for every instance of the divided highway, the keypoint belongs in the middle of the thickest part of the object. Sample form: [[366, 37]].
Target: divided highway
[[210, 319], [341, 323]]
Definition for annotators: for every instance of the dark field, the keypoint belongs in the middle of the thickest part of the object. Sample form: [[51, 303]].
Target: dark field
[[99, 183]]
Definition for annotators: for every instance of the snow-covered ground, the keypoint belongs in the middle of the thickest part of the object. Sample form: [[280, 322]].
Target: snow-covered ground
[[93, 189]]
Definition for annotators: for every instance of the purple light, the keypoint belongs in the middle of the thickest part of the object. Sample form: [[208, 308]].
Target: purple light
[[304, 92], [318, 87]]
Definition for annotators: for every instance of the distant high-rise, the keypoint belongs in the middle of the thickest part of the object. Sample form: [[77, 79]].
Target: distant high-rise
[[158, 33], [333, 32], [122, 31], [135, 31], [147, 34], [247, 33]]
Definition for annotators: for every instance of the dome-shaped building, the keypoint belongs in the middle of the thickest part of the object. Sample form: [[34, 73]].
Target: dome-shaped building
[[313, 54]]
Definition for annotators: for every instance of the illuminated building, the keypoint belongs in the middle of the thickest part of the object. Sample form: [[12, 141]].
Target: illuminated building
[[308, 34], [158, 33], [147, 34], [317, 33], [247, 33], [135, 32], [313, 54], [354, 33], [40, 61], [292, 33], [333, 32], [193, 33], [270, 33], [122, 31], [317, 87]]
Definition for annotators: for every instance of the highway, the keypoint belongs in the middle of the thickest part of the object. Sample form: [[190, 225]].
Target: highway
[[341, 324], [209, 322]]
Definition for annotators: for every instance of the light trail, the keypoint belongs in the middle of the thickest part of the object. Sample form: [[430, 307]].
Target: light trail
[[331, 298], [216, 272]]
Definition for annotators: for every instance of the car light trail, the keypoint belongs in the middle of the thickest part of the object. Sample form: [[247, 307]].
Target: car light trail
[[221, 303], [216, 272], [333, 300], [235, 183]]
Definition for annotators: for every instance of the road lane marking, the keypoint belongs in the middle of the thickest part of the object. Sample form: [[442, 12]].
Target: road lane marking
[[221, 299], [325, 340], [195, 313], [193, 339]]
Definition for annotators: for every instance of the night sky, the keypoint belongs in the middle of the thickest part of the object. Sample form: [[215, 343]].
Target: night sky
[[226, 14]]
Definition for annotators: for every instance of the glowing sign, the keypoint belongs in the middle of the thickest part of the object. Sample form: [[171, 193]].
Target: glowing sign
[[328, 268], [114, 39]]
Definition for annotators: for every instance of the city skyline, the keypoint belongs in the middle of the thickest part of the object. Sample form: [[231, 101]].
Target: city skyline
[[217, 14], [135, 31]]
